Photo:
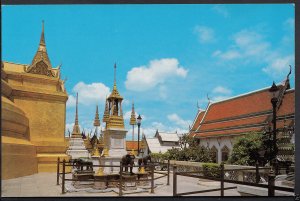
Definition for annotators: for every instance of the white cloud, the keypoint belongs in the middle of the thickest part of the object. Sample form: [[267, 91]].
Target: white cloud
[[205, 34], [179, 121], [216, 53], [125, 102], [290, 23], [231, 54], [127, 115], [221, 90], [71, 101], [279, 65], [163, 92], [69, 127], [221, 9], [89, 94], [157, 72], [219, 98], [249, 47]]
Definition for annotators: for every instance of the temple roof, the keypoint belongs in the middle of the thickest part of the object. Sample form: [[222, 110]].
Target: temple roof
[[41, 63], [41, 53], [155, 146], [167, 137], [198, 119], [242, 114]]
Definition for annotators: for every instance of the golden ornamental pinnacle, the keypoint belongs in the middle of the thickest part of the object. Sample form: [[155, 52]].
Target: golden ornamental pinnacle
[[105, 152], [106, 113], [114, 108], [41, 63], [115, 93], [96, 150], [100, 171], [76, 130], [97, 120], [132, 118]]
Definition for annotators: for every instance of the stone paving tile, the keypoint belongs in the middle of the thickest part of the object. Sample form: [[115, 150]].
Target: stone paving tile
[[44, 184]]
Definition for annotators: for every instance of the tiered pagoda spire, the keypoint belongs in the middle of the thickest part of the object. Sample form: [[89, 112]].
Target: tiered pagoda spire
[[76, 130], [132, 118], [97, 120], [41, 63], [113, 114], [106, 112]]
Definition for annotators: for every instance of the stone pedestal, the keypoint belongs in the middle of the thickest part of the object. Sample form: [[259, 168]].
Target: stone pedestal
[[114, 139], [84, 179], [100, 182], [142, 179], [129, 182], [113, 180], [96, 161], [77, 149], [111, 161]]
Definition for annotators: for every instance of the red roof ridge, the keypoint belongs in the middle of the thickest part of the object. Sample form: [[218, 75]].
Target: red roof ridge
[[207, 108], [290, 90], [245, 94], [198, 113]]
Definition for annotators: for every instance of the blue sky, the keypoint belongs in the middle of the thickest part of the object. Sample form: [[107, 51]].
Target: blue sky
[[169, 57]]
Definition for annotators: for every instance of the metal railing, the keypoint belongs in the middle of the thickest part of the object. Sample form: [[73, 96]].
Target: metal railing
[[61, 174], [199, 174]]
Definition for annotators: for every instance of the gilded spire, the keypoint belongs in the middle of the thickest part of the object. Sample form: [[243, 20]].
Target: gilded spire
[[115, 94], [132, 118], [115, 74], [42, 41], [97, 120], [114, 110], [41, 54], [106, 112], [41, 63], [76, 115], [76, 130]]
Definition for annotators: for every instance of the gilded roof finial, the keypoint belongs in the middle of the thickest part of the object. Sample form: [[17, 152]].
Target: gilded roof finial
[[42, 41], [76, 115], [41, 55], [115, 74], [76, 129], [208, 98], [132, 118], [97, 120], [115, 94]]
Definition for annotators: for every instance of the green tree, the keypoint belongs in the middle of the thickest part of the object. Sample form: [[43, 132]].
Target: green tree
[[245, 149]]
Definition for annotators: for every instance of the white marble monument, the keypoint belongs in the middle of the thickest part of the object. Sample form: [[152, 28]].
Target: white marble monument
[[77, 148]]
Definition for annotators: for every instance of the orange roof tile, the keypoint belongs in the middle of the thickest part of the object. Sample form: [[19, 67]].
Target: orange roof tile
[[250, 103], [242, 114], [132, 145], [198, 118], [236, 122], [287, 103]]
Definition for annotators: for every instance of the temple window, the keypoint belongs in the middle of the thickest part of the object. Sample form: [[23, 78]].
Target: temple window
[[214, 154], [225, 153]]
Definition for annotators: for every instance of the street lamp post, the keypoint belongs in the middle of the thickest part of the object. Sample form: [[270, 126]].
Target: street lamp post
[[274, 101], [139, 121]]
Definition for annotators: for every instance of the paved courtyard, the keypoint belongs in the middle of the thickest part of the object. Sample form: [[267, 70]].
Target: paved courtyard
[[44, 184]]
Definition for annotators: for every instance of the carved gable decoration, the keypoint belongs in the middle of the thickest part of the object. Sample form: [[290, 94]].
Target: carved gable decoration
[[40, 68]]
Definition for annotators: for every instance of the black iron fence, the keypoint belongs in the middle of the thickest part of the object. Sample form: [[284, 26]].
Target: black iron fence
[[61, 174], [222, 178]]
